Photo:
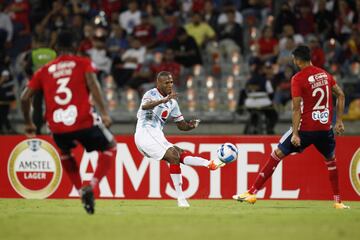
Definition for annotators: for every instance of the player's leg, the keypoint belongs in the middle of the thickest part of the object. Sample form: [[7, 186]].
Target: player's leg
[[265, 173], [99, 138], [172, 156], [189, 159], [154, 145], [71, 168], [68, 162], [326, 146], [105, 160], [285, 147], [66, 142]]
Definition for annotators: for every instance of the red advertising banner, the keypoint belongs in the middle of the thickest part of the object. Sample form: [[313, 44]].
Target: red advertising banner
[[31, 168]]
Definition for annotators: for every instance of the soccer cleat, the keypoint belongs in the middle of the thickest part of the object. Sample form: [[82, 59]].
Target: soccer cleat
[[183, 203], [215, 165], [341, 206], [87, 199], [245, 197]]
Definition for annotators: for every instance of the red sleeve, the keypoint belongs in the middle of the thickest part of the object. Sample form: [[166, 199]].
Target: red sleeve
[[35, 81], [89, 66], [295, 88]]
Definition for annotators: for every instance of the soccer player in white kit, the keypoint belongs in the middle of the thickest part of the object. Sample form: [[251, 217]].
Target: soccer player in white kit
[[158, 105]]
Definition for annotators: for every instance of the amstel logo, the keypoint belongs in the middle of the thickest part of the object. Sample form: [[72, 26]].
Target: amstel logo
[[355, 171], [34, 169]]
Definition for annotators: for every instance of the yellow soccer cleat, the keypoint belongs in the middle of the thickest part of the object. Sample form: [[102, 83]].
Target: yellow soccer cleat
[[245, 197], [341, 206]]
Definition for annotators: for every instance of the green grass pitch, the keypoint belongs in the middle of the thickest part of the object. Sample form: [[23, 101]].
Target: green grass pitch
[[162, 219]]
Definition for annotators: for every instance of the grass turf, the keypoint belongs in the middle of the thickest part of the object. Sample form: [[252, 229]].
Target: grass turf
[[162, 219]]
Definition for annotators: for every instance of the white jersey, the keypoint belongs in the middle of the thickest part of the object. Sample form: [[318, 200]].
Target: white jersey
[[156, 118]]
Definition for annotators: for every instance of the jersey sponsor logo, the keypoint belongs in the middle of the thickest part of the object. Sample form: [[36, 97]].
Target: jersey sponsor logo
[[317, 77], [311, 79], [322, 117], [164, 115], [354, 171], [34, 169], [52, 68], [67, 116], [61, 65], [318, 80]]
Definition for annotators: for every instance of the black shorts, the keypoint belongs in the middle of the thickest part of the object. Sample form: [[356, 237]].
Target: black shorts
[[97, 138], [324, 142]]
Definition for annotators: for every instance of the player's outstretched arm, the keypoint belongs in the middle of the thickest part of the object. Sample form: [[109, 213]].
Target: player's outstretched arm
[[151, 104], [187, 126], [26, 96], [94, 87], [340, 105]]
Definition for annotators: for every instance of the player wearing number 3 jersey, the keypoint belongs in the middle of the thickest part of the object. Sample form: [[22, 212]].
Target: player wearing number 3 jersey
[[66, 95], [311, 90], [67, 83]]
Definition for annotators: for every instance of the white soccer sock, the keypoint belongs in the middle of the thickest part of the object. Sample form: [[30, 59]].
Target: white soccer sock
[[177, 181], [196, 161]]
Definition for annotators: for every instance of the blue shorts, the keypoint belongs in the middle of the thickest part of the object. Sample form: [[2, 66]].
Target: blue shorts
[[324, 142]]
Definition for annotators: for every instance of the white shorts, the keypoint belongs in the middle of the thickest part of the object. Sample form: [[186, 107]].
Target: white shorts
[[152, 144]]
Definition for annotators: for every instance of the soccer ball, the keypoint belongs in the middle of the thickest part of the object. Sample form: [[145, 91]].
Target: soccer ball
[[227, 153]]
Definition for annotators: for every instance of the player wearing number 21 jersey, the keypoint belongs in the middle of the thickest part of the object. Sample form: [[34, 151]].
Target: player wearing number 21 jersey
[[311, 90], [314, 86], [67, 83]]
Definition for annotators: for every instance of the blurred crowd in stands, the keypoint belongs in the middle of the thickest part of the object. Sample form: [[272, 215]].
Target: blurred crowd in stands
[[230, 56]]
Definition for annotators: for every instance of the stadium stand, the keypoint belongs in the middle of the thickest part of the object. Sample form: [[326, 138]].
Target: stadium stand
[[208, 45]]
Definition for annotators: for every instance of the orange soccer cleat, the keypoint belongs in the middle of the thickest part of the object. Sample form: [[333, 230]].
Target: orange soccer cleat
[[213, 165]]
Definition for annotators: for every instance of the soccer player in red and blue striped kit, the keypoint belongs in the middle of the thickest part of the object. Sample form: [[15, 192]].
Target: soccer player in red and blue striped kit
[[311, 90]]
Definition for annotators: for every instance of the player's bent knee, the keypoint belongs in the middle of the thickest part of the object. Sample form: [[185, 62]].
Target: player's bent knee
[[172, 156], [174, 159], [279, 153], [179, 150]]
